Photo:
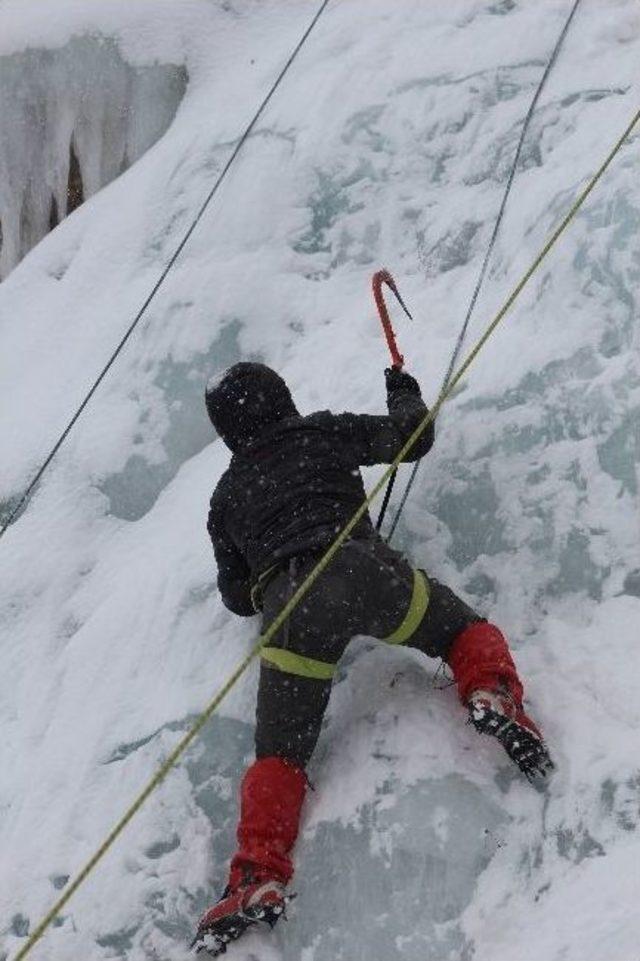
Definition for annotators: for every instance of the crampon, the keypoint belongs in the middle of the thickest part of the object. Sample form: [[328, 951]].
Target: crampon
[[237, 911], [499, 716]]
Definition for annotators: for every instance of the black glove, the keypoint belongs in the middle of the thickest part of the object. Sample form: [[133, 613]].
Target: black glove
[[400, 380]]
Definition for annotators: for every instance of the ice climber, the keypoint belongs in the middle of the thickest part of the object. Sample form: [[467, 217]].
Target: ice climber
[[293, 483]]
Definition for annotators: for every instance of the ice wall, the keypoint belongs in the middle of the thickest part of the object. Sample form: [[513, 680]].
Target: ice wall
[[71, 120], [389, 143]]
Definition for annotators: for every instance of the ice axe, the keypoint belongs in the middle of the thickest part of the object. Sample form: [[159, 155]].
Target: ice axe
[[397, 360], [379, 278]]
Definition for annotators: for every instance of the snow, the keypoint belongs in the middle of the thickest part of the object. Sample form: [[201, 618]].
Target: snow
[[215, 380], [388, 144]]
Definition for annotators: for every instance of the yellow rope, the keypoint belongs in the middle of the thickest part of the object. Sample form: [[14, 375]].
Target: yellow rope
[[322, 564]]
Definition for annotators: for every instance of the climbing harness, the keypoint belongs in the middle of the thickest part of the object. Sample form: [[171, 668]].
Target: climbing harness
[[23, 500], [323, 563], [397, 360], [492, 240], [292, 663]]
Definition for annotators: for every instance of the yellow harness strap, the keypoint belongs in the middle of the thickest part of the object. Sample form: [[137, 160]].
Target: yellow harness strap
[[292, 663], [415, 613], [298, 664]]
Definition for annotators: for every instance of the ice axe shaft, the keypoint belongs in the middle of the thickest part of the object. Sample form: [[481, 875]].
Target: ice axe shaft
[[379, 278], [397, 360]]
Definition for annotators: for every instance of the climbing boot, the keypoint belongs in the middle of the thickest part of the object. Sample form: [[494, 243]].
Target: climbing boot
[[489, 686], [271, 797], [496, 713], [238, 910]]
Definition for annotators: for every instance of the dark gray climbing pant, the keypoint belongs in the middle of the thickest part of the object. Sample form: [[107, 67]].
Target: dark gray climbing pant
[[367, 589]]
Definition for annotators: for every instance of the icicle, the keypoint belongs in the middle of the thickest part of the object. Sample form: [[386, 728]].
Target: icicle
[[72, 119], [75, 187]]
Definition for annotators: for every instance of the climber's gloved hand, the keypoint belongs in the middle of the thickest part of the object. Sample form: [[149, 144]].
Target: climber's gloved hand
[[397, 379]]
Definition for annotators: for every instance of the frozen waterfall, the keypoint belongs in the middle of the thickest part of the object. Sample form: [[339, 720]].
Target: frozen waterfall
[[72, 119]]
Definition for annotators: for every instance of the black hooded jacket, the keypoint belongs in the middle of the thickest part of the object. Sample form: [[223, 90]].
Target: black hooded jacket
[[294, 481]]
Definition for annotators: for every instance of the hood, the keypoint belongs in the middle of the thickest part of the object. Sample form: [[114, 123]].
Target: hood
[[244, 400]]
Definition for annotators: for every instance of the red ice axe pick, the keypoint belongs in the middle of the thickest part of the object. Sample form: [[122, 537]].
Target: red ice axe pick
[[397, 360], [379, 278]]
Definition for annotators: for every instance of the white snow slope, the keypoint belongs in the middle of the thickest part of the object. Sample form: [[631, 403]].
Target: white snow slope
[[388, 144]]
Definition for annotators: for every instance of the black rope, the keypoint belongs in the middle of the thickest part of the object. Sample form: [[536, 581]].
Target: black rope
[[28, 492], [490, 246], [386, 499]]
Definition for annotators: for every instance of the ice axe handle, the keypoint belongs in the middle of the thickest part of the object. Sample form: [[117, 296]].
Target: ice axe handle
[[397, 360]]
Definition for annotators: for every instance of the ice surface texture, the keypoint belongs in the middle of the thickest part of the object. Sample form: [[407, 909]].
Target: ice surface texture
[[389, 144], [71, 120]]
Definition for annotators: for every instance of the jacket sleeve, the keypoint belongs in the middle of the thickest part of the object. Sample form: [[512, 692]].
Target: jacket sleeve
[[234, 581], [372, 439]]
